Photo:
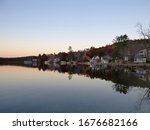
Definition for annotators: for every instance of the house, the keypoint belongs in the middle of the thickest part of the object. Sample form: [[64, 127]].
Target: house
[[106, 59], [56, 60], [28, 62], [95, 60], [141, 56], [139, 59]]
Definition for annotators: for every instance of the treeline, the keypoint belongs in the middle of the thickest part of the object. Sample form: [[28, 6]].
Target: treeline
[[16, 59], [122, 47]]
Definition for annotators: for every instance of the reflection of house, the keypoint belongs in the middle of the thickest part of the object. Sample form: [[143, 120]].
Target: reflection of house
[[95, 68], [141, 74], [140, 71]]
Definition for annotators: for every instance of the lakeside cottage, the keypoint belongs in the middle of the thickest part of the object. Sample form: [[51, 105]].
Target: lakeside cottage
[[31, 62], [141, 56], [56, 60], [106, 59], [139, 59], [95, 60]]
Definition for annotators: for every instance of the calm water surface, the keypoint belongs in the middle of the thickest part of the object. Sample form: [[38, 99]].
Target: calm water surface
[[25, 89]]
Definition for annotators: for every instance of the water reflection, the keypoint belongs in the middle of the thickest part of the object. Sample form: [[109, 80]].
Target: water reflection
[[144, 100], [124, 79]]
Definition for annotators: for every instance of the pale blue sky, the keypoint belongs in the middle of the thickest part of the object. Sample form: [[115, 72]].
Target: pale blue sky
[[30, 27]]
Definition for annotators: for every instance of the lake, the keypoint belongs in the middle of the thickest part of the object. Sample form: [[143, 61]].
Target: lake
[[74, 89]]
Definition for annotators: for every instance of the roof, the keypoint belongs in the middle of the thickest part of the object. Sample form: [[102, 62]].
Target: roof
[[95, 57]]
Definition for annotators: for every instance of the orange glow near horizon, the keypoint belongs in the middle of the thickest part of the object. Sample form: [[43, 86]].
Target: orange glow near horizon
[[29, 46], [23, 53], [20, 52]]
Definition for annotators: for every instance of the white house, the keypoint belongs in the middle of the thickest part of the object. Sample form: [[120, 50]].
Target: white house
[[95, 60], [56, 60], [28, 62], [140, 57], [106, 59]]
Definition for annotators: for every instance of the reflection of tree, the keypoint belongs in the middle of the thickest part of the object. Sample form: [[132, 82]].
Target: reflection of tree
[[121, 88], [122, 79], [144, 99], [146, 96], [70, 76], [42, 67]]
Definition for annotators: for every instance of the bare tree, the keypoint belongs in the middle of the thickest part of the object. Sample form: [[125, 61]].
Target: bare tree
[[140, 30], [145, 33], [148, 32], [145, 98]]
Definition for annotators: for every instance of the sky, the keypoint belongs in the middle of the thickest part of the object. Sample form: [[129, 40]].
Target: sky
[[32, 27]]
